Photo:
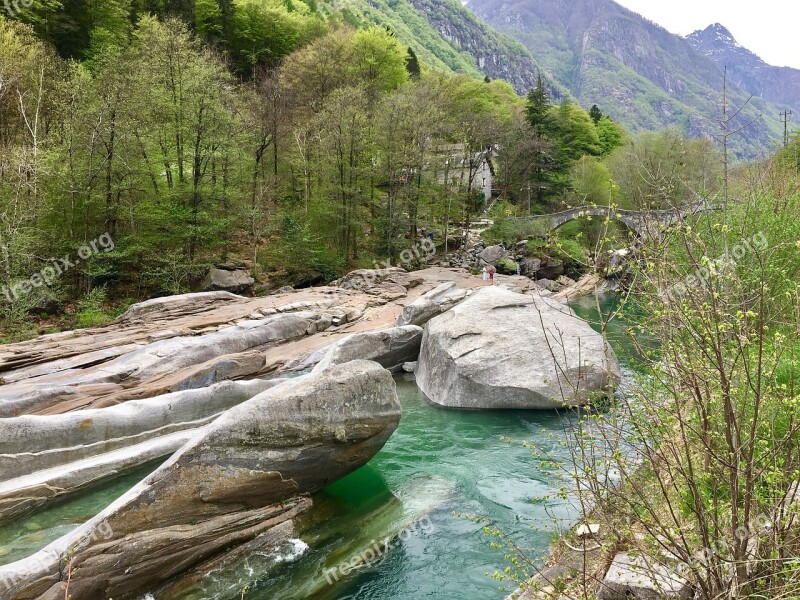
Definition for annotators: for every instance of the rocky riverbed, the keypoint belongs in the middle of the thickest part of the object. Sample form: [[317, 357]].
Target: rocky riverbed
[[185, 377]]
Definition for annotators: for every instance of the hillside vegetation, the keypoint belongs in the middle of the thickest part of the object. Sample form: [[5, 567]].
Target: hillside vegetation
[[297, 142]]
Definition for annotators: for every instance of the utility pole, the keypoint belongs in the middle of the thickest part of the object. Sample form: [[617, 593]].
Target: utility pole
[[785, 115], [529, 199], [725, 135]]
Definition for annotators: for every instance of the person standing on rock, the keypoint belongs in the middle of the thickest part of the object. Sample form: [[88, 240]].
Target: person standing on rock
[[485, 274], [492, 271]]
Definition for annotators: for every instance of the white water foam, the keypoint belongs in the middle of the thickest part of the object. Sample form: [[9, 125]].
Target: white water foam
[[294, 548]]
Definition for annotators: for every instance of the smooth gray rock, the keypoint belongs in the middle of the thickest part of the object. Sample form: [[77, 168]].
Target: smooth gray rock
[[409, 367], [500, 349], [236, 479], [174, 304], [43, 458], [635, 576], [390, 348], [431, 304], [493, 254], [228, 281]]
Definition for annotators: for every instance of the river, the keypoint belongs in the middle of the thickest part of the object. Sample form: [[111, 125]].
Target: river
[[405, 513]]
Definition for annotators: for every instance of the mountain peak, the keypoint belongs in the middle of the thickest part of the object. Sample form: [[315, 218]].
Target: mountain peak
[[715, 35], [720, 29], [717, 42]]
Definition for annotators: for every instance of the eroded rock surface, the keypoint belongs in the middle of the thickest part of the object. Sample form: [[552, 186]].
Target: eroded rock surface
[[389, 347], [239, 477], [43, 458], [440, 299]]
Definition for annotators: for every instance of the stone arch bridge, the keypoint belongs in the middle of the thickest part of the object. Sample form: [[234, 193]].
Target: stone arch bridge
[[640, 221]]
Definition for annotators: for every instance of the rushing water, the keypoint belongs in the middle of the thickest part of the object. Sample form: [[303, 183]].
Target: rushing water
[[400, 513]]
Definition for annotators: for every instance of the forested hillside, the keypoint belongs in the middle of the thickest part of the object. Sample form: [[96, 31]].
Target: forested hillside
[[295, 141]]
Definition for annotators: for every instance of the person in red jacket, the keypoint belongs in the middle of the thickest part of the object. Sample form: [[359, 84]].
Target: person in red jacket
[[492, 271]]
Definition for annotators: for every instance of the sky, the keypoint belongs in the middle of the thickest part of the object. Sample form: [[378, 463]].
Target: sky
[[767, 27]]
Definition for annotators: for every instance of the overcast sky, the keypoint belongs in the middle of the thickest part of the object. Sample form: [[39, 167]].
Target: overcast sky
[[767, 27]]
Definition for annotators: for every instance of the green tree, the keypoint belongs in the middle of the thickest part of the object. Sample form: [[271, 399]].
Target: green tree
[[265, 31], [611, 135], [208, 20], [575, 131], [662, 170], [377, 61], [412, 64], [595, 113], [538, 107]]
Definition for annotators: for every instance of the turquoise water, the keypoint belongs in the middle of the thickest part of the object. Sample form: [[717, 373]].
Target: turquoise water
[[439, 462], [25, 536], [606, 315], [399, 513]]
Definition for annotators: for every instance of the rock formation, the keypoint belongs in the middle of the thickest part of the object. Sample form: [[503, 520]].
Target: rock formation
[[390, 348], [44, 458], [167, 379], [229, 278], [236, 479], [500, 349], [431, 304]]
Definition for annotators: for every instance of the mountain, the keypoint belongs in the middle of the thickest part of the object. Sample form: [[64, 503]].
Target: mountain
[[780, 85], [452, 38], [636, 71]]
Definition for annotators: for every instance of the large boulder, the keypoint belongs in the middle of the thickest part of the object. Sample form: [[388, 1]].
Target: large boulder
[[237, 479], [530, 266], [500, 349], [551, 268], [438, 300], [493, 254], [235, 281], [390, 348]]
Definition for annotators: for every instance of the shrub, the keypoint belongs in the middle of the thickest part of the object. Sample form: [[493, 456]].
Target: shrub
[[506, 266], [91, 312]]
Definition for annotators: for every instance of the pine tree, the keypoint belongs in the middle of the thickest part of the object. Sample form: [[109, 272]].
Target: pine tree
[[538, 106], [412, 64]]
